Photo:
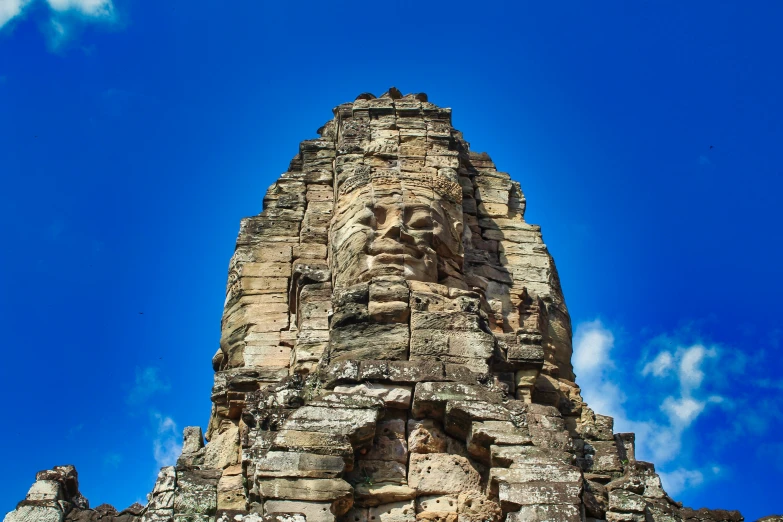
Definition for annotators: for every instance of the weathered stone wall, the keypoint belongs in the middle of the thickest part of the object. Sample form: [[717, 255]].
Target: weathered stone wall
[[395, 348]]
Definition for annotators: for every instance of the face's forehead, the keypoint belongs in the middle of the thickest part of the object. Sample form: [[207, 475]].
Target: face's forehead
[[400, 195]]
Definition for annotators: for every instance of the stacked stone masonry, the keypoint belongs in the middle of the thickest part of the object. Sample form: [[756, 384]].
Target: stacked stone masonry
[[395, 348]]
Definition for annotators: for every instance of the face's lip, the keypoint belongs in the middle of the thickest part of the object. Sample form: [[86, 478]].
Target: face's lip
[[390, 259], [392, 249]]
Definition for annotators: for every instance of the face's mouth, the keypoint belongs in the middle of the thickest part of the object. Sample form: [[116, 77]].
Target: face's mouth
[[384, 249], [389, 259]]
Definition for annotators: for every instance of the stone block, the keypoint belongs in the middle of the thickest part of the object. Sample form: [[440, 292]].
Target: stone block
[[460, 415], [322, 443], [430, 398], [389, 442], [500, 433], [437, 503], [223, 450], [546, 513], [355, 423], [352, 342], [313, 511], [442, 474], [393, 396], [376, 494], [336, 491], [299, 464], [402, 511], [196, 492]]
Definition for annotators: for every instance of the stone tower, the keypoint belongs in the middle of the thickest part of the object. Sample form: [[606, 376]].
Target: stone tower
[[395, 348]]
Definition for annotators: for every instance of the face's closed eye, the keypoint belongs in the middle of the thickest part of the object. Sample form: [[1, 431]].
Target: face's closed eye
[[366, 216], [418, 218]]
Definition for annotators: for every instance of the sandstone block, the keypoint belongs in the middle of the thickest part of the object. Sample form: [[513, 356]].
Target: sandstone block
[[369, 341], [430, 398], [357, 424], [377, 472], [461, 414], [313, 511], [389, 442], [546, 513], [475, 507], [437, 503], [426, 436], [500, 433], [395, 397], [196, 492], [537, 473], [223, 450], [621, 500], [510, 456], [35, 513], [322, 443], [337, 491], [514, 496], [298, 464], [442, 474], [376, 494], [45, 490], [605, 458], [402, 511], [231, 489]]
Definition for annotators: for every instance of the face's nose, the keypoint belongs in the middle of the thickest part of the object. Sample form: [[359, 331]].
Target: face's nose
[[389, 222]]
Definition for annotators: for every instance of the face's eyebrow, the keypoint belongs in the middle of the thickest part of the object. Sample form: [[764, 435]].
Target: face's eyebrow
[[416, 206]]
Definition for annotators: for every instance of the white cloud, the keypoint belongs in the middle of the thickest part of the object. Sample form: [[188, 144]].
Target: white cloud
[[95, 8], [593, 344], [683, 411], [166, 445], [148, 382], [10, 9], [64, 16], [659, 366], [676, 481], [660, 422], [690, 372]]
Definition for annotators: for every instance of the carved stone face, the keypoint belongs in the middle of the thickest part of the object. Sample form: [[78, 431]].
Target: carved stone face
[[398, 229]]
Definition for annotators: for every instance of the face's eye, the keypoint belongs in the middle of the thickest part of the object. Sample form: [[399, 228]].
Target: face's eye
[[419, 218], [380, 215], [366, 217]]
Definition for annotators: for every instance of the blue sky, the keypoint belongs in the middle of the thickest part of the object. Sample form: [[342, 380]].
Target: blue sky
[[135, 135]]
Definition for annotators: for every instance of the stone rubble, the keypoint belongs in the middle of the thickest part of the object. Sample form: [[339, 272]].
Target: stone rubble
[[395, 348]]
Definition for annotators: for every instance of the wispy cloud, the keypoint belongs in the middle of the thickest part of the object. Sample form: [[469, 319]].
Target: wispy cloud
[[95, 8], [74, 430], [148, 382], [64, 17], [679, 479], [112, 460], [166, 443]]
